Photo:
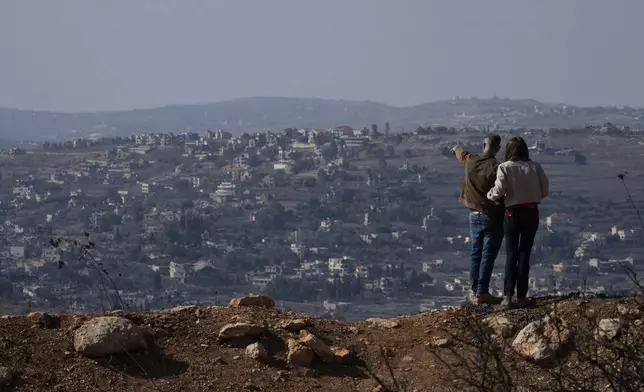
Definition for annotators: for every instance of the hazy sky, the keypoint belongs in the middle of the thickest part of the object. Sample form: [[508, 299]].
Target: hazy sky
[[77, 55]]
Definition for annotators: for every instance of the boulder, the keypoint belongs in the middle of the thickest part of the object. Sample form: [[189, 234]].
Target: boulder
[[43, 319], [299, 354], [384, 323], [256, 351], [500, 326], [541, 340], [253, 300], [293, 325], [241, 330], [181, 308], [317, 345], [103, 336], [608, 329]]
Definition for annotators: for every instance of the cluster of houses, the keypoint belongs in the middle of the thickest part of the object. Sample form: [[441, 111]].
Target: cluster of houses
[[121, 167]]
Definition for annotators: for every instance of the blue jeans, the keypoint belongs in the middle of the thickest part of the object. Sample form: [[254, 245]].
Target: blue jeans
[[486, 235]]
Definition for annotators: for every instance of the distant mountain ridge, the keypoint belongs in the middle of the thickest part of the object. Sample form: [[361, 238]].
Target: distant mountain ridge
[[262, 113]]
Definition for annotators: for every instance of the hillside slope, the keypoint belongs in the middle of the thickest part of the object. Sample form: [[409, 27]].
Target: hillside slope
[[444, 350], [259, 114]]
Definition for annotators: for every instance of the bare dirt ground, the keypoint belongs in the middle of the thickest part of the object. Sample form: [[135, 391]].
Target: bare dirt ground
[[186, 355]]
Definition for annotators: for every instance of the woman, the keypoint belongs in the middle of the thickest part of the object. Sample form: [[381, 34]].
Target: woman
[[522, 184]]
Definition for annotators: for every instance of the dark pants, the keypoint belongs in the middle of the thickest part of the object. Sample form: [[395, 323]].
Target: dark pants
[[520, 226], [486, 234]]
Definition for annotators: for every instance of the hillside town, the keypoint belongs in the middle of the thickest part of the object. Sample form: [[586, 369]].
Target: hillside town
[[327, 221]]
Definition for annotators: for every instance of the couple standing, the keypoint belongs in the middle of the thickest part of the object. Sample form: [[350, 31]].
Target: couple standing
[[503, 200]]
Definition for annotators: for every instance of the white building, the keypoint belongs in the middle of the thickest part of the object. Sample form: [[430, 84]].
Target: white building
[[17, 251], [340, 265], [362, 271], [225, 191], [261, 281], [178, 272]]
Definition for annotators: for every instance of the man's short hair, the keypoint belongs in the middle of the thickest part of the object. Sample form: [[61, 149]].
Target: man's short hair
[[494, 140]]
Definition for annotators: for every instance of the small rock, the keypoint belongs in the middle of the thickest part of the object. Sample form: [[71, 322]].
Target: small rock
[[254, 300], [299, 354], [378, 388], [384, 323], [293, 325], [6, 317], [236, 357], [342, 355], [439, 342], [116, 312], [241, 330], [43, 319], [638, 323], [628, 312], [500, 326], [407, 359], [354, 330], [181, 308], [281, 376], [608, 329], [317, 345], [219, 360], [541, 340], [102, 336], [256, 351], [6, 377]]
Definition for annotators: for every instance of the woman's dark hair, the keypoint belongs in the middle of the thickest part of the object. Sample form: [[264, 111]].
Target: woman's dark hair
[[516, 149]]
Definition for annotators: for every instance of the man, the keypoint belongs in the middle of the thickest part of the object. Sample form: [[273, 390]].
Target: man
[[486, 217]]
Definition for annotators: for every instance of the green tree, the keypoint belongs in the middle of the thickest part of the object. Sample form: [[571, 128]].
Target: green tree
[[182, 186], [330, 152], [272, 217]]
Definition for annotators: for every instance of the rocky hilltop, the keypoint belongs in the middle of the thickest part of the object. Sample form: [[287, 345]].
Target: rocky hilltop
[[563, 344]]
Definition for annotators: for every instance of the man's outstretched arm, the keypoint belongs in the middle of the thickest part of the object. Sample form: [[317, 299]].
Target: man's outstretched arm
[[461, 154]]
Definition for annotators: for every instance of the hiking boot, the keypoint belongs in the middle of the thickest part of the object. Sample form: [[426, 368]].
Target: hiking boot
[[507, 302], [524, 302], [487, 298]]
